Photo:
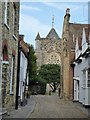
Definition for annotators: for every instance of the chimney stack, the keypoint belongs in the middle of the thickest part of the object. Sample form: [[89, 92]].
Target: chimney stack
[[21, 37]]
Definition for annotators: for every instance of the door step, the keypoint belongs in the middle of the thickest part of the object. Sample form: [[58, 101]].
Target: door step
[[3, 111]]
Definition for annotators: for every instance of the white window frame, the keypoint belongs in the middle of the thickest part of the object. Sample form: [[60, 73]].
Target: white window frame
[[11, 81], [13, 18], [13, 26], [5, 14], [84, 79], [5, 17]]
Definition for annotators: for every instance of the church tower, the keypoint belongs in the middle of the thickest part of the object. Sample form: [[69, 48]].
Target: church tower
[[38, 50], [48, 49]]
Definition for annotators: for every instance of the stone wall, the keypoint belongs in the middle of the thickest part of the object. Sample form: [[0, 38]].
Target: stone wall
[[47, 51], [10, 40], [5, 84]]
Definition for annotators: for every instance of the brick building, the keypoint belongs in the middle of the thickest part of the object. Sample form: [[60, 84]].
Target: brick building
[[9, 40], [69, 35]]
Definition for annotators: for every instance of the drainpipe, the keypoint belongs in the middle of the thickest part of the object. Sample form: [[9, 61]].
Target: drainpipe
[[73, 66], [29, 70]]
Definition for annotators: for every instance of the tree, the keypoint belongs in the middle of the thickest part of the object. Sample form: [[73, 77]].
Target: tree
[[51, 73], [32, 67], [35, 79]]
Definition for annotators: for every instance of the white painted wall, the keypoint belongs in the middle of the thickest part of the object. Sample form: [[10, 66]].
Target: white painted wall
[[23, 70], [84, 91]]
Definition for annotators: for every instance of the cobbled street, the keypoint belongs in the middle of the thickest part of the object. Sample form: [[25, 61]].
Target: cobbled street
[[53, 107]]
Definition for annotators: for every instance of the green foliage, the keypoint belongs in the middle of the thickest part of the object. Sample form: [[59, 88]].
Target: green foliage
[[42, 88], [38, 81], [42, 83], [50, 73], [32, 64], [35, 79]]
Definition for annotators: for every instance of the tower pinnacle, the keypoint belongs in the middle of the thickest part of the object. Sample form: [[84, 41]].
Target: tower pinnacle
[[53, 21]]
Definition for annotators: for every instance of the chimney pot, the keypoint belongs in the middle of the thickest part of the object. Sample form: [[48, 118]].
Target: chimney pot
[[67, 11]]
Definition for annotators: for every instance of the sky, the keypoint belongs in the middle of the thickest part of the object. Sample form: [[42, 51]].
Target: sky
[[36, 16]]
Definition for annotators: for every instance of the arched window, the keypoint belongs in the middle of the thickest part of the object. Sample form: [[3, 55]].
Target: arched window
[[5, 54]]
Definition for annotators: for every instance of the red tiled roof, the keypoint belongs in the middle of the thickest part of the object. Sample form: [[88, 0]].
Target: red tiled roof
[[77, 30], [24, 46]]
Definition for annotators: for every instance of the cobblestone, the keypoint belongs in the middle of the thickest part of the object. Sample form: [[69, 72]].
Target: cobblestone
[[53, 107]]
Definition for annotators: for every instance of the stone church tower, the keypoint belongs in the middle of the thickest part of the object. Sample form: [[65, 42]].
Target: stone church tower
[[48, 49]]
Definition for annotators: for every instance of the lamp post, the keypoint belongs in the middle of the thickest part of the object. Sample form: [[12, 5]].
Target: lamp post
[[0, 86], [18, 76], [0, 59]]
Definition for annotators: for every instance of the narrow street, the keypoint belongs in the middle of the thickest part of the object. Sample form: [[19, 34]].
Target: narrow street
[[53, 107]]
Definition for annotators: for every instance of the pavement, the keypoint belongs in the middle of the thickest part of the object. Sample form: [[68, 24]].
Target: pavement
[[23, 111], [48, 106]]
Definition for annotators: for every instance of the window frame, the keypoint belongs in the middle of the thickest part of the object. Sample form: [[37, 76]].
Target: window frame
[[88, 80], [14, 22], [6, 14], [12, 75]]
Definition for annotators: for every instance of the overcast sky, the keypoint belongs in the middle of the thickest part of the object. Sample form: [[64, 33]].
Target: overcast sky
[[37, 17]]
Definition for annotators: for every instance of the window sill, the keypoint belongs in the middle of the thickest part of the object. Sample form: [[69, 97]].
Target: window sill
[[14, 37], [11, 93], [5, 62], [86, 87], [7, 26]]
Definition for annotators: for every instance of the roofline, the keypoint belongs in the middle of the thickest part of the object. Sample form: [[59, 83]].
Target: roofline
[[79, 24]]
